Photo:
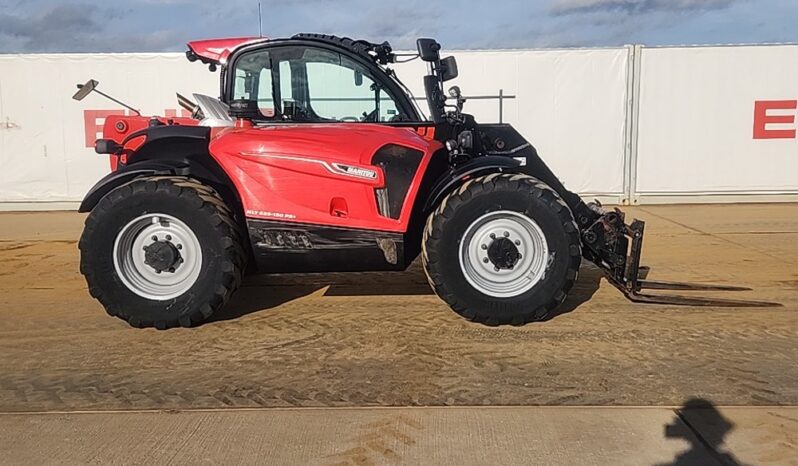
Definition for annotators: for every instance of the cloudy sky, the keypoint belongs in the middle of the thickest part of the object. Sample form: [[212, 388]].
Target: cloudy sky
[[165, 25]]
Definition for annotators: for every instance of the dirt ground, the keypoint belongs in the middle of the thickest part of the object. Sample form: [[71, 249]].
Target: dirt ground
[[382, 339]]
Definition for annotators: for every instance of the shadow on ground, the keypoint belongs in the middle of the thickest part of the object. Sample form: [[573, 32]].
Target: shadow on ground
[[260, 293], [585, 287], [704, 442]]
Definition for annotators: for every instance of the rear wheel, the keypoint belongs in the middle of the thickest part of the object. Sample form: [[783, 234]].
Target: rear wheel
[[502, 249], [162, 252]]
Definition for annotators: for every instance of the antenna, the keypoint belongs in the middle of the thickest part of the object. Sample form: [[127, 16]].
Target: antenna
[[260, 22]]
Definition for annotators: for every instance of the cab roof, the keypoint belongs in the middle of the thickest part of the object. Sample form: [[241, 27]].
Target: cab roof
[[216, 51]]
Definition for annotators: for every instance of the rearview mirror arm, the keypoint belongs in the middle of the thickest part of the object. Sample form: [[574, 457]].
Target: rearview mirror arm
[[80, 86]]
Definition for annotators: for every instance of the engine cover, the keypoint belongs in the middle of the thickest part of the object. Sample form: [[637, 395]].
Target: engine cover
[[352, 175]]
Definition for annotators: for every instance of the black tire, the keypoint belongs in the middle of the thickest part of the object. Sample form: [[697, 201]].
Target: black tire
[[210, 220], [521, 194]]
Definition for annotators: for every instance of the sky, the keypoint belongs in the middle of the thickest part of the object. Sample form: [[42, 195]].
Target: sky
[[166, 25]]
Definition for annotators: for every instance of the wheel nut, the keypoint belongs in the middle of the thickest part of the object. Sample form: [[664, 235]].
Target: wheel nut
[[492, 236], [520, 256], [179, 246], [496, 269], [154, 238], [484, 246], [172, 270], [485, 260], [168, 237], [517, 242], [506, 234]]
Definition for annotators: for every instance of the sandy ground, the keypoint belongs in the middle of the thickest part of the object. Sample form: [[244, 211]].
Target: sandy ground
[[442, 436], [382, 339]]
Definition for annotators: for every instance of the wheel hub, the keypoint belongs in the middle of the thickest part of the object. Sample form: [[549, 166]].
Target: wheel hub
[[157, 256], [162, 256], [503, 253]]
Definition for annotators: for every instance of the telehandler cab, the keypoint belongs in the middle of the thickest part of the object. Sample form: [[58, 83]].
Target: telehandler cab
[[315, 158]]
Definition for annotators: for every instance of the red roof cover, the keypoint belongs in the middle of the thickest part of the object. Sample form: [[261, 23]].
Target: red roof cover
[[217, 50]]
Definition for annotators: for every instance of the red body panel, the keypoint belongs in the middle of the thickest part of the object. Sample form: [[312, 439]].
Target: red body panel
[[292, 172], [217, 50], [118, 127]]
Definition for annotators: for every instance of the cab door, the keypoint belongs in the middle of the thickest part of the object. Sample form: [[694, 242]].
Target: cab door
[[320, 150]]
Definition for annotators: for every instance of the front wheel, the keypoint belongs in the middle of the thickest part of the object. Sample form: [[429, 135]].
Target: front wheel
[[162, 252], [502, 249]]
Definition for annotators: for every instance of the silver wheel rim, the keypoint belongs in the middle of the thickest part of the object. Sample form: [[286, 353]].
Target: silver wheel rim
[[503, 281], [143, 279]]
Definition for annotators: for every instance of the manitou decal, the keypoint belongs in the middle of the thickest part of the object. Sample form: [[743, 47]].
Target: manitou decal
[[355, 171], [93, 121], [775, 119]]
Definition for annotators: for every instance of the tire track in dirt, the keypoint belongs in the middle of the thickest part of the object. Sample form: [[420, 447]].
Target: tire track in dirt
[[381, 339]]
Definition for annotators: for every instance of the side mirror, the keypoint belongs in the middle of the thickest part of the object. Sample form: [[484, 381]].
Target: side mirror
[[91, 85], [358, 78], [448, 68], [85, 89], [428, 49]]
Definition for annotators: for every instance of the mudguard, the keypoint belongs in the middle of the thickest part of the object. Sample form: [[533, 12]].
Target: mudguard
[[165, 150], [125, 174], [475, 167], [505, 141], [505, 150]]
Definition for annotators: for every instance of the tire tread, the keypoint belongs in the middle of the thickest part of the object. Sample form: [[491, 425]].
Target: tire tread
[[207, 200], [431, 241]]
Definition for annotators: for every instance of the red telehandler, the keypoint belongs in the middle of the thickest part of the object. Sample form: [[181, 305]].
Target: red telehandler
[[315, 158]]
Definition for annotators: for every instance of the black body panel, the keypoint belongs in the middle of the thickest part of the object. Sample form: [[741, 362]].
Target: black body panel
[[502, 140], [165, 140], [399, 164], [284, 247]]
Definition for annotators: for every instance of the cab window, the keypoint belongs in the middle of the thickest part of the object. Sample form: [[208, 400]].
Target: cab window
[[309, 84], [341, 90], [253, 81]]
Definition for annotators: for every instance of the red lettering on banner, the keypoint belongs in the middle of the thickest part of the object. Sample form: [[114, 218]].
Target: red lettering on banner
[[172, 113], [762, 119], [93, 121]]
